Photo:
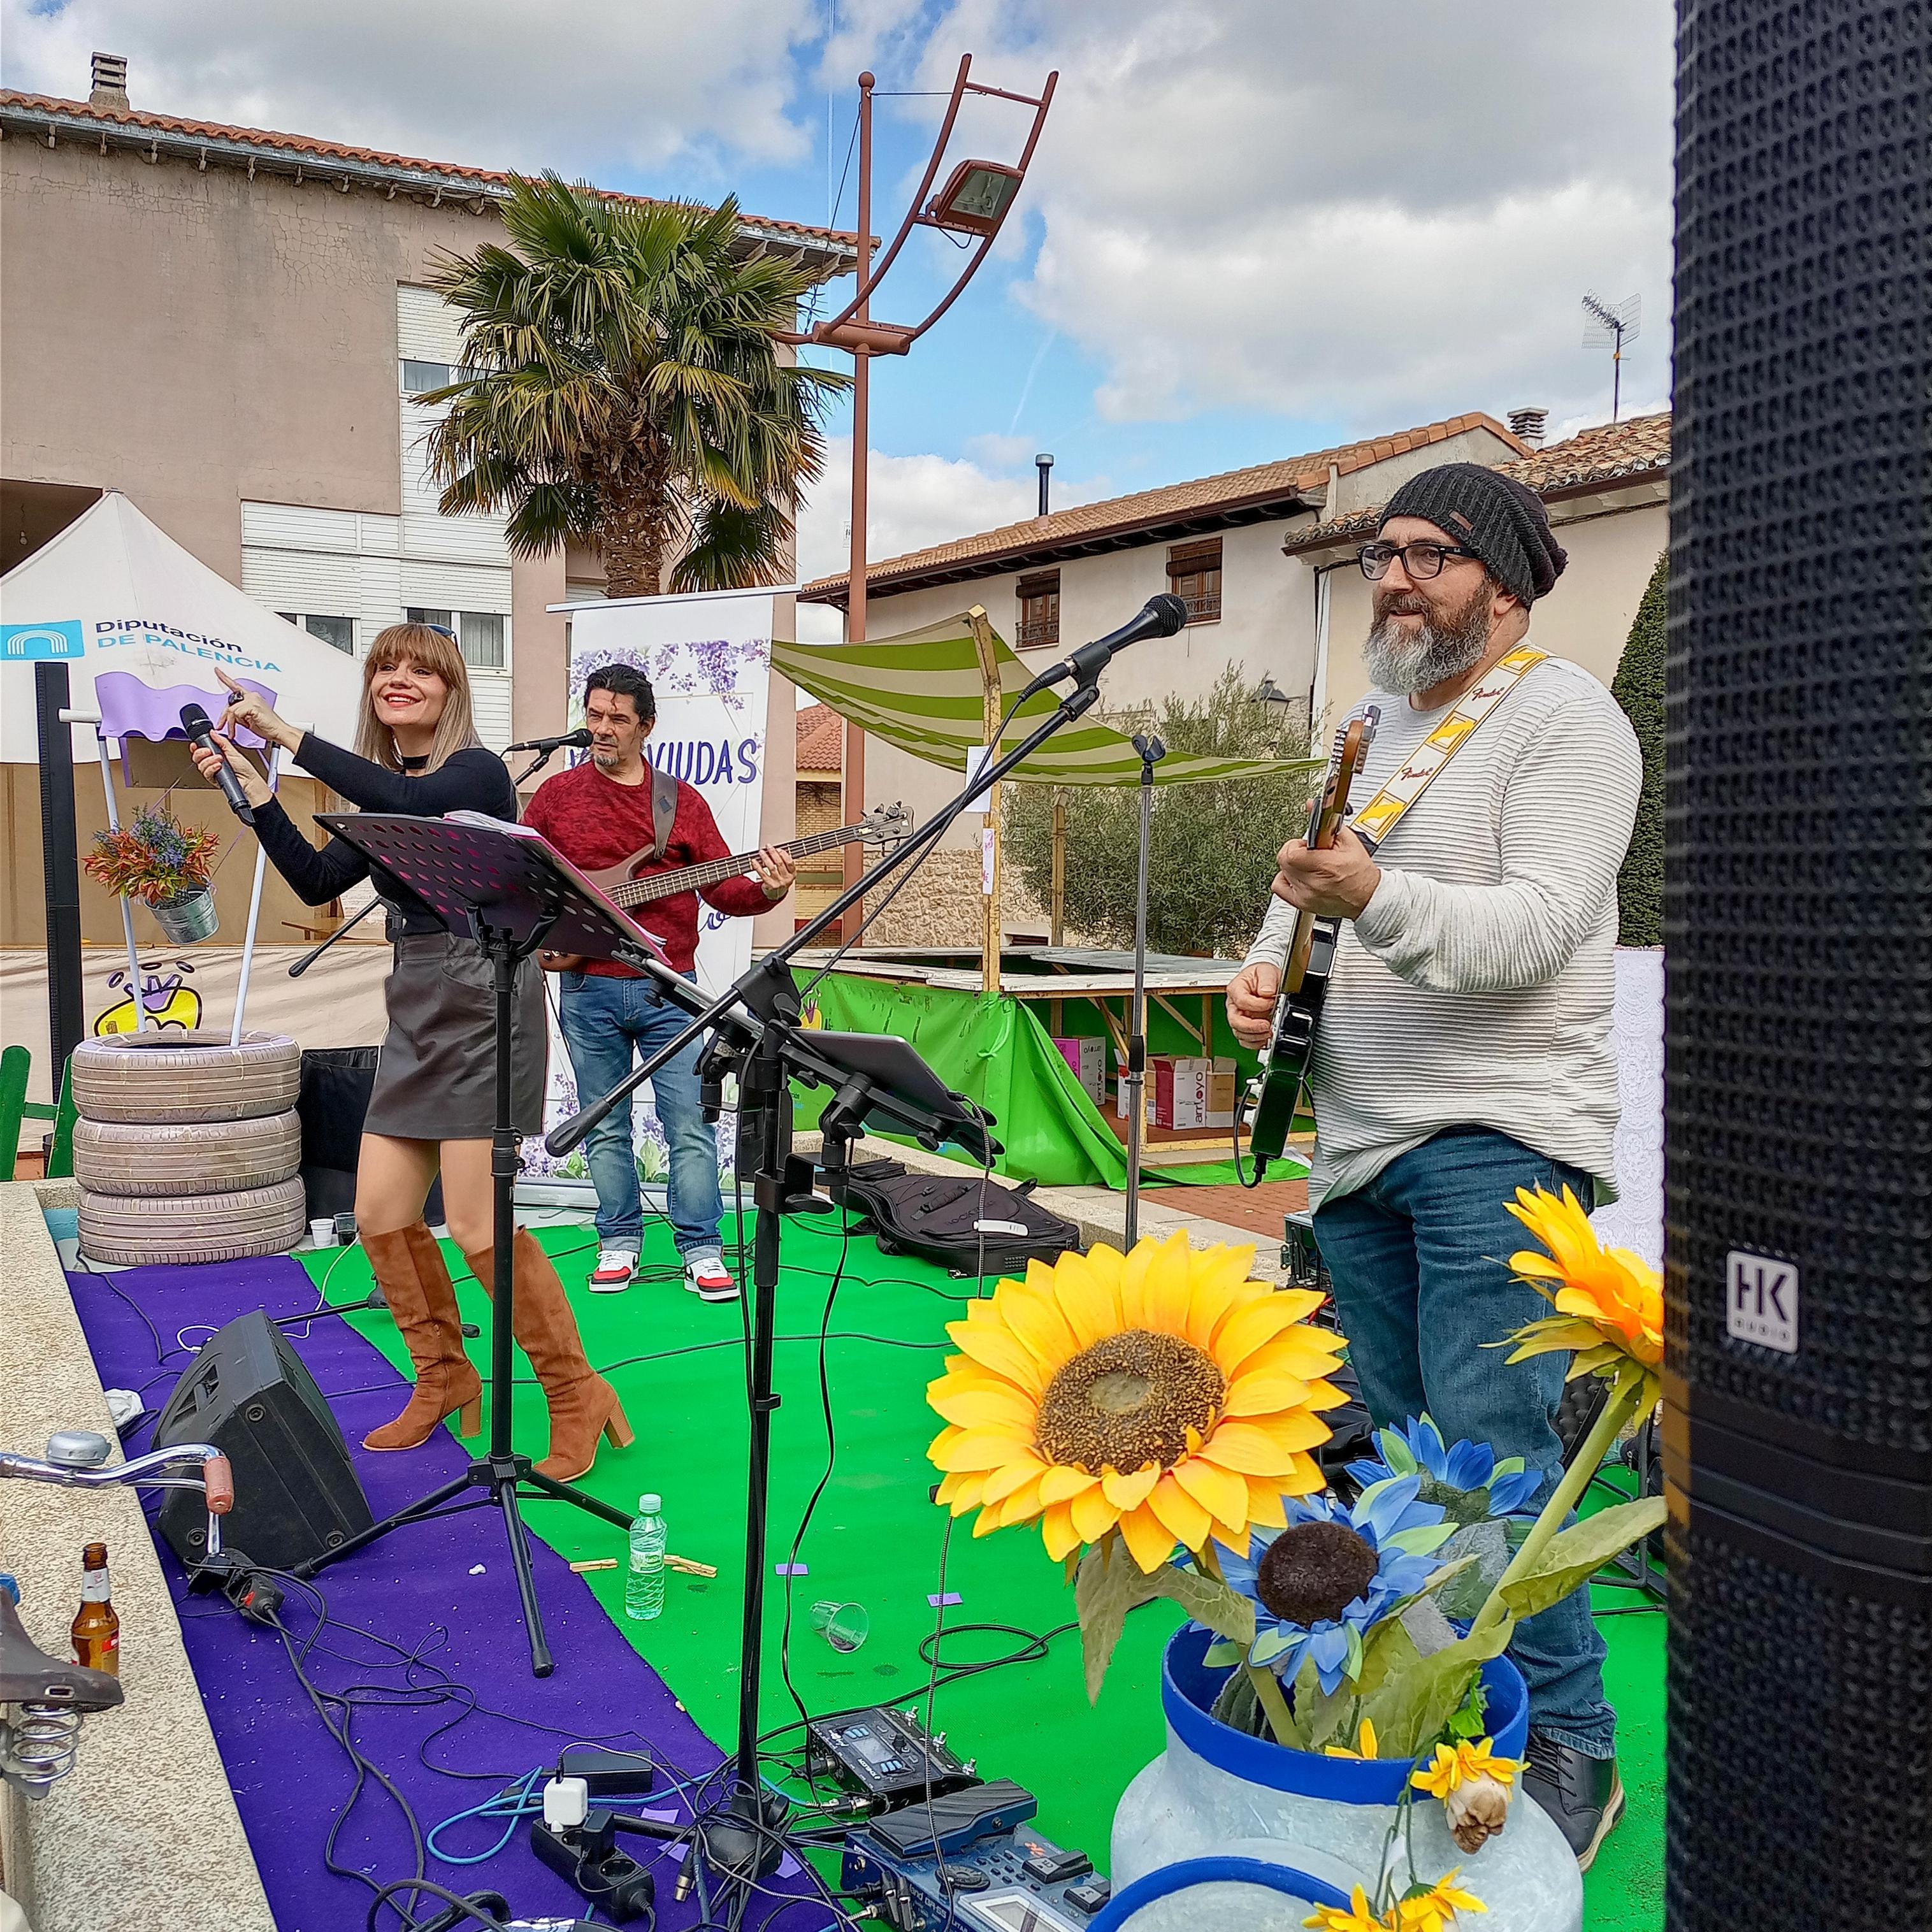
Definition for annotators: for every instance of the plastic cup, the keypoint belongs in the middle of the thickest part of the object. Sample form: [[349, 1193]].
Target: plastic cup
[[322, 1231], [844, 1626]]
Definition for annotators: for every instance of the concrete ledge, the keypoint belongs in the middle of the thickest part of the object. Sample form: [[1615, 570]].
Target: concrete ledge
[[1099, 1212], [145, 1832]]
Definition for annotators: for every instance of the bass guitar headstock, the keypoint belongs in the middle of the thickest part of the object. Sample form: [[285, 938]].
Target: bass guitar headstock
[[885, 826]]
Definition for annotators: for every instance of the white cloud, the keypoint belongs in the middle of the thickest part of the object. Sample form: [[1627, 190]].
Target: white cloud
[[911, 501], [493, 83], [1372, 214], [1002, 452]]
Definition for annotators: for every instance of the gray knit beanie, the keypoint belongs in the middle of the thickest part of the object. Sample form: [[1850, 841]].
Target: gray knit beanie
[[1502, 520]]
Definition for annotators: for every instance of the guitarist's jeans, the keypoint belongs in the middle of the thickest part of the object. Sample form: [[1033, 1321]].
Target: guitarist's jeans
[[608, 1023], [1421, 1286]]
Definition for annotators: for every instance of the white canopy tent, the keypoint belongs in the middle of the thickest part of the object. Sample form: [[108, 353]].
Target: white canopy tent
[[141, 625]]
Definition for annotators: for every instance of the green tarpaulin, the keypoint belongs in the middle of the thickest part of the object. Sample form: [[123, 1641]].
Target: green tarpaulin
[[992, 1048], [922, 692]]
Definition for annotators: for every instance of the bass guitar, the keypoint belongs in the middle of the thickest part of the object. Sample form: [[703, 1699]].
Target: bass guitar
[[884, 826], [1276, 1091]]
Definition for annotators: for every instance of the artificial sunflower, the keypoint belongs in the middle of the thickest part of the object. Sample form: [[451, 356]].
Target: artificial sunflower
[[1464, 1477], [1327, 1580], [1609, 1301], [1162, 1392], [1360, 1916], [1436, 1910], [1365, 1744], [1455, 1766]]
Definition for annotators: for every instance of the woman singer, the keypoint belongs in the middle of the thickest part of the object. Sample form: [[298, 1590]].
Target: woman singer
[[417, 751]]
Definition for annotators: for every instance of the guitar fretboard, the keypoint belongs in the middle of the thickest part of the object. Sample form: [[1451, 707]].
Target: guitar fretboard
[[710, 871]]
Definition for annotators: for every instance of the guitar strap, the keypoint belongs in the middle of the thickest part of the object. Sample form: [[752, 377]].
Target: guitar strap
[[663, 809], [1377, 819]]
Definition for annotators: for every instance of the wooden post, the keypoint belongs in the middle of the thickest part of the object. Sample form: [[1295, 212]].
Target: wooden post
[[1058, 908], [985, 645]]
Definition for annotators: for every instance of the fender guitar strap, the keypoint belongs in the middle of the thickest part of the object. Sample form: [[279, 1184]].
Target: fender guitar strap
[[1377, 819]]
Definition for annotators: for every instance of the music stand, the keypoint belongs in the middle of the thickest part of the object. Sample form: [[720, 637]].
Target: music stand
[[504, 884]]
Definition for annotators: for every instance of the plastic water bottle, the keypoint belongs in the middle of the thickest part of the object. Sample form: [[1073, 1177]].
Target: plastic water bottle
[[644, 1586]]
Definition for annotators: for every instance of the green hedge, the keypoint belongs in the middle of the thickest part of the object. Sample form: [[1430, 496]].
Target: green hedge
[[1638, 687]]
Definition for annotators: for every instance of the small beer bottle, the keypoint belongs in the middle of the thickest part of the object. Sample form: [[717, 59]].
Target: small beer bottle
[[97, 1625]]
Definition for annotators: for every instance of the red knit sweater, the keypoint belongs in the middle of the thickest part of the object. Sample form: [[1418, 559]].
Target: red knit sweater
[[595, 822]]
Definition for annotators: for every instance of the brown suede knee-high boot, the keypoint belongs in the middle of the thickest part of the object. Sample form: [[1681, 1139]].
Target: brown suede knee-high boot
[[581, 1402], [409, 1268]]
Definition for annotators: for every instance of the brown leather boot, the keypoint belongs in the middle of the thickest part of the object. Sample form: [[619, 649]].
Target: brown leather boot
[[409, 1268], [581, 1402]]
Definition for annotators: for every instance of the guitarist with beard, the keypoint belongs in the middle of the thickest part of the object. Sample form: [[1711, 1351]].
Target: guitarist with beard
[[1462, 1051], [597, 815]]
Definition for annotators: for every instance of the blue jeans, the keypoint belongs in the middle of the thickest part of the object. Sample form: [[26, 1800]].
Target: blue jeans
[[605, 1021], [1419, 1259]]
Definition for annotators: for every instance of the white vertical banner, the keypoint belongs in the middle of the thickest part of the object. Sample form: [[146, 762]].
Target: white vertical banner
[[708, 656]]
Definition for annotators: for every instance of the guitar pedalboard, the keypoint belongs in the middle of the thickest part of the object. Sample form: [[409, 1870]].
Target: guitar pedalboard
[[971, 1862], [887, 1755]]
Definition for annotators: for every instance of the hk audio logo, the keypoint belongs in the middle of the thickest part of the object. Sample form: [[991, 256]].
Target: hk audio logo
[[1761, 1301], [60, 640]]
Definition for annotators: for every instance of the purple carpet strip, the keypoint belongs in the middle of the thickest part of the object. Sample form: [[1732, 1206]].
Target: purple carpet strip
[[444, 1591]]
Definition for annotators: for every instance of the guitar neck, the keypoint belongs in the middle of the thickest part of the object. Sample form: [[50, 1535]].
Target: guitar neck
[[710, 871], [1325, 821]]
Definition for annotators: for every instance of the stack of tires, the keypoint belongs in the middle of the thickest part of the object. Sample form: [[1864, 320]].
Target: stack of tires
[[187, 1149]]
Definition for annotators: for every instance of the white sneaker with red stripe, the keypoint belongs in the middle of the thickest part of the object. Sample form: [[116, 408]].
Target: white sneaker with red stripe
[[709, 1279], [612, 1274]]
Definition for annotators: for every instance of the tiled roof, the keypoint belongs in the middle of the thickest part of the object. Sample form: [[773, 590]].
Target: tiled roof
[[1593, 459], [127, 123], [821, 740], [1208, 502]]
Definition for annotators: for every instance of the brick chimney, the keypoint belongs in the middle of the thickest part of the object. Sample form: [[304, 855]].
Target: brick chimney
[[110, 81], [1528, 425]]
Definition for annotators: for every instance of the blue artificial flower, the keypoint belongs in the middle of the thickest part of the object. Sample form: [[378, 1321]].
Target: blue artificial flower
[[1449, 1474], [1320, 1586]]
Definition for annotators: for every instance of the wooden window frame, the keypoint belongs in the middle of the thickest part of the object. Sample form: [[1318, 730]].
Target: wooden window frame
[[1041, 632], [1197, 564]]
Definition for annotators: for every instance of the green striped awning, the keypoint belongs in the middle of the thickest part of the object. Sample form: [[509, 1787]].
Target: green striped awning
[[922, 692]]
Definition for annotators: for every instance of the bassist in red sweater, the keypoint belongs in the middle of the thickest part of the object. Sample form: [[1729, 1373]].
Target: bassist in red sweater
[[599, 815]]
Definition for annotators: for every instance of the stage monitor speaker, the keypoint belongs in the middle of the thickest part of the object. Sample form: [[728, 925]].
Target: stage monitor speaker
[[1798, 936], [296, 1492]]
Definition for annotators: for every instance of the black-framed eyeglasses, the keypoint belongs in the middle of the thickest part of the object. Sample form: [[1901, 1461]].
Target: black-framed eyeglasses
[[1420, 560]]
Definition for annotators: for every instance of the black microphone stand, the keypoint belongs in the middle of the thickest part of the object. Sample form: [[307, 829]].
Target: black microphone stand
[[1152, 750], [742, 1841]]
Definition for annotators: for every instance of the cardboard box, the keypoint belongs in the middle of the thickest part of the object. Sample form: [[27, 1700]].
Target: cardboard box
[[1088, 1059]]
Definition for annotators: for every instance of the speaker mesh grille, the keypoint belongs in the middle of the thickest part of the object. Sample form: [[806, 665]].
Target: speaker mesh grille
[[1799, 937]]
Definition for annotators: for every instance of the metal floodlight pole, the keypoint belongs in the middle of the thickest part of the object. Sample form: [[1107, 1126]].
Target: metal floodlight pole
[[855, 330]]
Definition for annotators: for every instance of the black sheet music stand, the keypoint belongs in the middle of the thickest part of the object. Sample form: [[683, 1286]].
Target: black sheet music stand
[[503, 884]]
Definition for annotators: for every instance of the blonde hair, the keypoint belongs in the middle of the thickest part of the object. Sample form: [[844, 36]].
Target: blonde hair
[[426, 649]]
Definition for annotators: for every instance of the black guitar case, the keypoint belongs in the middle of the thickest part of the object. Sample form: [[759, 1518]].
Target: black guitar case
[[965, 1223]]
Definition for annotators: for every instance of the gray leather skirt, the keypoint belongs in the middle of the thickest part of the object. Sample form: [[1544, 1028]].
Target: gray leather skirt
[[436, 1080]]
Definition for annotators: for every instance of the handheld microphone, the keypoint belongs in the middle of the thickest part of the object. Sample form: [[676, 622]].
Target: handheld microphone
[[1160, 616], [200, 730], [578, 740]]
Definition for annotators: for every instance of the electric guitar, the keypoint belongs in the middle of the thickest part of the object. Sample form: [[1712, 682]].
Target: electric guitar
[[884, 825], [1277, 1089]]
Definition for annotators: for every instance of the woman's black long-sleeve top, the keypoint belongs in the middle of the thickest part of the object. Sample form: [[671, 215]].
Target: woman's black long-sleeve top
[[474, 780]]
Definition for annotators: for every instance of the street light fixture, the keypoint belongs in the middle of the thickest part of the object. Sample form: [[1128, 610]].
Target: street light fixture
[[1275, 704], [975, 198]]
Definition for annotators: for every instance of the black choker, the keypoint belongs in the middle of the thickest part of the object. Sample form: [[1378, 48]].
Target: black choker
[[420, 764]]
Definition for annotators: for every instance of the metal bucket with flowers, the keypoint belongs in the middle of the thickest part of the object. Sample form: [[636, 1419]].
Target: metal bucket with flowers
[[1331, 1732], [164, 864]]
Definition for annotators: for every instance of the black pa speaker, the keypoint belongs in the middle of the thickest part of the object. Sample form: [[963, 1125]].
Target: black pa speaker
[[1798, 940], [296, 1492]]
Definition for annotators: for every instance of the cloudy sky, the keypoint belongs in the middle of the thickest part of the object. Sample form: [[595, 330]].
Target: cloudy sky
[[1254, 227]]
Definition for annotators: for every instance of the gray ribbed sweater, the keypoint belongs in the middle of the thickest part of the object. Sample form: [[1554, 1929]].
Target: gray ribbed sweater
[[1475, 989]]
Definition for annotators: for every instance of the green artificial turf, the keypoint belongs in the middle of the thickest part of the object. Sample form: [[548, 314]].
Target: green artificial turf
[[877, 1540]]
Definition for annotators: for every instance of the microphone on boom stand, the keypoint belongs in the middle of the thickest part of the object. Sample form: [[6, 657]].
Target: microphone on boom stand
[[1160, 616], [578, 740]]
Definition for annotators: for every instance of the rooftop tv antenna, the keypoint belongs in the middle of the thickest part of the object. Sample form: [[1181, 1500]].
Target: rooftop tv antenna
[[1617, 325]]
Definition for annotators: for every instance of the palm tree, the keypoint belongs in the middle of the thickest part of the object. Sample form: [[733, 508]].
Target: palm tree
[[622, 389]]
